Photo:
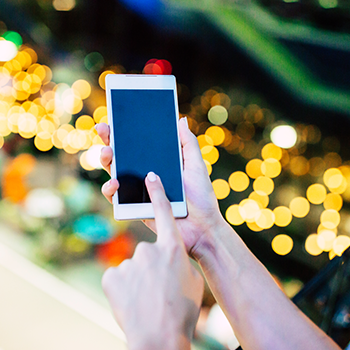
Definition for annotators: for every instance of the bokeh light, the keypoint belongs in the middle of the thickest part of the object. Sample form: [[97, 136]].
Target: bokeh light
[[217, 115], [311, 245], [221, 188], [299, 207], [283, 216], [239, 181], [8, 50], [316, 193], [282, 244], [284, 136]]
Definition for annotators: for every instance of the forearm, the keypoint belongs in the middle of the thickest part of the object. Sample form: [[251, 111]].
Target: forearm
[[259, 312]]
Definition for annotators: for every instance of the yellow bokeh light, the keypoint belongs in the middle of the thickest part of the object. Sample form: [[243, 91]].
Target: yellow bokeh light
[[317, 166], [311, 245], [82, 88], [249, 210], [261, 199], [216, 134], [340, 244], [282, 244], [283, 216], [239, 181], [330, 218], [263, 185], [233, 215], [204, 140], [316, 193], [271, 167], [299, 207], [299, 166], [84, 163], [266, 219], [1, 141], [333, 201], [253, 226], [325, 239], [84, 122], [209, 167], [102, 78], [221, 188], [271, 151], [217, 115], [43, 141], [99, 113], [333, 178], [253, 168], [72, 103], [210, 153]]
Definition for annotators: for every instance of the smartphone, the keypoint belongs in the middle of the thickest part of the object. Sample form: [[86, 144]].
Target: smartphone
[[143, 117]]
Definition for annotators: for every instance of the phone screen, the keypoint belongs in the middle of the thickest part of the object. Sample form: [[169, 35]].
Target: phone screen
[[145, 139]]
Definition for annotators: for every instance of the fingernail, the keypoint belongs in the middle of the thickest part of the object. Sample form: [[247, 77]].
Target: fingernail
[[186, 121], [151, 176], [97, 126]]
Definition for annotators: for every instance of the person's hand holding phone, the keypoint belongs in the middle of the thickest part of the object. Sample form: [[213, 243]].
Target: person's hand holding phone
[[156, 295], [204, 216]]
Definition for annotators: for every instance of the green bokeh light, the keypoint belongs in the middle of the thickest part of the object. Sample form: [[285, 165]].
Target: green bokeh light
[[13, 37]]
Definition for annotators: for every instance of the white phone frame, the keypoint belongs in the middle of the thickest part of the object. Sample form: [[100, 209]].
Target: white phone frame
[[140, 211]]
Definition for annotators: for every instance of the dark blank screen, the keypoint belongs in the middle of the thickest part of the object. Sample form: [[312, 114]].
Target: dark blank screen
[[145, 140]]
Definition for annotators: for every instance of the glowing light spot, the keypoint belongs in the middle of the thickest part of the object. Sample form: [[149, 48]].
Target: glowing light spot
[[271, 167], [100, 113], [84, 163], [253, 168], [221, 188], [283, 216], [333, 178], [8, 50], [102, 78], [4, 73], [72, 103], [93, 156], [340, 244], [282, 244], [155, 66], [82, 88], [263, 185], [84, 122], [311, 245], [299, 166], [1, 141], [239, 181], [204, 140], [325, 239], [262, 200], [271, 151], [328, 4], [284, 136], [266, 219], [217, 134], [316, 193], [333, 201], [63, 5], [94, 62], [233, 215], [317, 166], [43, 142], [330, 218], [299, 207], [217, 115], [13, 37], [210, 153], [253, 226], [249, 210]]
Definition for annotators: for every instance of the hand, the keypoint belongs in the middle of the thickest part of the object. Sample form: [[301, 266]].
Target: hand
[[204, 216], [156, 295]]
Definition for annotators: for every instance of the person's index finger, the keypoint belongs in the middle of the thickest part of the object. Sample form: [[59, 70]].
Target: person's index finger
[[165, 222]]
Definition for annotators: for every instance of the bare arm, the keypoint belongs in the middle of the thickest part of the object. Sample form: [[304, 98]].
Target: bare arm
[[259, 312]]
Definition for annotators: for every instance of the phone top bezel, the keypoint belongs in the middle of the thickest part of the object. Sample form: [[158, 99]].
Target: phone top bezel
[[137, 211]]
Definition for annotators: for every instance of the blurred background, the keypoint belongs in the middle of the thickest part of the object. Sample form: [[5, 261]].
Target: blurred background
[[265, 85]]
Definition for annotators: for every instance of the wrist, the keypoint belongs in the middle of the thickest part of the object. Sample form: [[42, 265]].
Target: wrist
[[160, 341]]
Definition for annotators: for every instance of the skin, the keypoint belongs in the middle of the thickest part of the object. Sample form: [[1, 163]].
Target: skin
[[260, 314]]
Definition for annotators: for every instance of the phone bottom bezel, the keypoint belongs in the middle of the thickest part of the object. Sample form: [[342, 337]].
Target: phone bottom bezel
[[142, 211]]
